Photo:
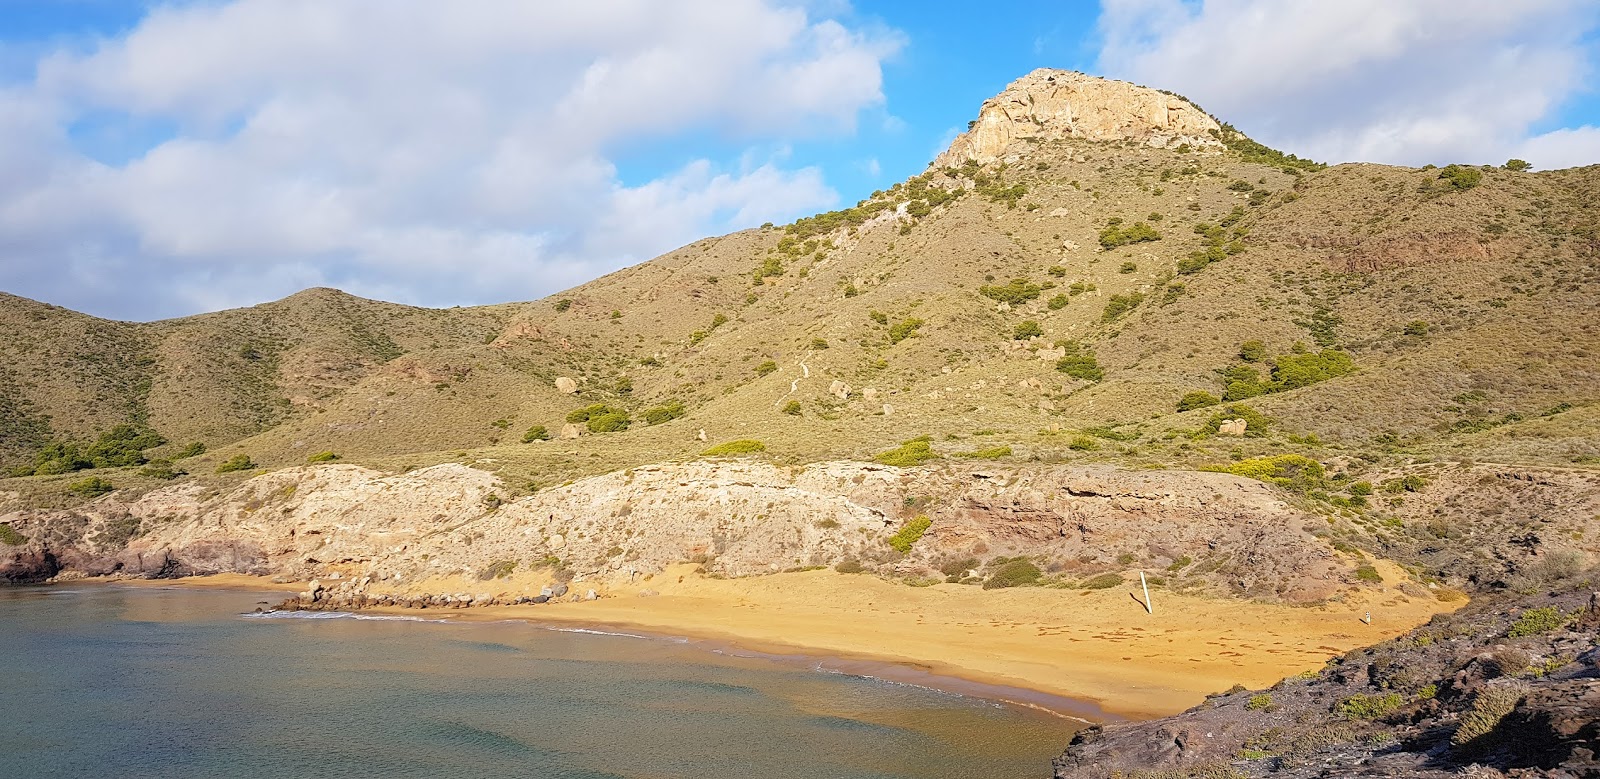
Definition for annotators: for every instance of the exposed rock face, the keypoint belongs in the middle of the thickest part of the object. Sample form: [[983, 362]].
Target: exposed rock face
[[566, 385], [1235, 536], [1052, 104], [1395, 709]]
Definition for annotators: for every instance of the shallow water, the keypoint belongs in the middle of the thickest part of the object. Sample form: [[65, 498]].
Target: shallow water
[[137, 682]]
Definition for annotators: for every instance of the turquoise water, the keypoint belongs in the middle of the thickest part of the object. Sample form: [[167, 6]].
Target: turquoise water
[[137, 682]]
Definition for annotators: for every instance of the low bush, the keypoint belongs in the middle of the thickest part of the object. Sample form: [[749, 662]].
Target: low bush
[[1260, 702], [766, 367], [1012, 572], [1104, 581], [160, 469], [92, 487], [1117, 235], [1025, 330], [1079, 362], [238, 462], [909, 453], [1368, 574], [601, 418], [1489, 707], [1416, 327], [1534, 622], [1460, 177], [990, 453], [1194, 400], [499, 569], [1015, 292], [1121, 304], [10, 537], [792, 408], [1291, 471], [732, 448], [904, 329], [850, 566], [1366, 706], [1083, 443], [536, 433], [909, 533], [322, 457], [665, 412]]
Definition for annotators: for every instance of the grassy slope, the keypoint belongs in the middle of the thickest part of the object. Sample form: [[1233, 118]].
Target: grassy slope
[[1505, 274]]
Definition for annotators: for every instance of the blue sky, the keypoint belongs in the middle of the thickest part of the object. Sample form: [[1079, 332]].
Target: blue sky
[[161, 159]]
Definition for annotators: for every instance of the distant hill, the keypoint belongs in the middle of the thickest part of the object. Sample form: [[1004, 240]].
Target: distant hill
[[1088, 257]]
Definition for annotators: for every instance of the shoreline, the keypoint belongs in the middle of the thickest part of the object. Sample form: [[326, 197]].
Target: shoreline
[[1095, 652]]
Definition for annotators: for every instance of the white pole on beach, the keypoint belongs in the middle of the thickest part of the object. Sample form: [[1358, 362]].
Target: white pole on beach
[[1147, 607]]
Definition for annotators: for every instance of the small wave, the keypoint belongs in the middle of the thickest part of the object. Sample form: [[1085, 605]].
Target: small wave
[[335, 615], [595, 632]]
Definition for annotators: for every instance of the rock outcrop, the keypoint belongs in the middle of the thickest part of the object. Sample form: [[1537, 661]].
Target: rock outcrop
[[1053, 104], [1207, 532]]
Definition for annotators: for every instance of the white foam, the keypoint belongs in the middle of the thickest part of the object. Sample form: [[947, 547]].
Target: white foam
[[335, 615]]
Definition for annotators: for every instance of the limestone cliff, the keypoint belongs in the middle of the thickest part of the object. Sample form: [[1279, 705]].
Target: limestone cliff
[[1052, 104]]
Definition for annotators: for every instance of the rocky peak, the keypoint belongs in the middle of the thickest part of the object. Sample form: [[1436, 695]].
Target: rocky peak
[[1052, 104]]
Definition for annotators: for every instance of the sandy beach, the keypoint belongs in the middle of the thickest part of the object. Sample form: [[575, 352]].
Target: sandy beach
[[1096, 646]]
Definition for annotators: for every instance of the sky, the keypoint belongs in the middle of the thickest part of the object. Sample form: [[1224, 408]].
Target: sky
[[160, 159]]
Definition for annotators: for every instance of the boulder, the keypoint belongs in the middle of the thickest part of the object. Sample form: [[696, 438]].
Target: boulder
[[839, 390], [558, 590], [542, 599], [572, 430], [566, 385], [1233, 427]]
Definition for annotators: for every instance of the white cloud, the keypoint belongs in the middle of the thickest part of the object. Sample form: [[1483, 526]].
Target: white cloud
[[1401, 81], [433, 153]]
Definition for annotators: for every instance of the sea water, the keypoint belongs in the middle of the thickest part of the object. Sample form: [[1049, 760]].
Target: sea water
[[100, 680]]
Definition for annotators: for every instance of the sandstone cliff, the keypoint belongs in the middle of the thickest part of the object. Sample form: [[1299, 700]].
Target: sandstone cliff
[[1052, 104], [1216, 533]]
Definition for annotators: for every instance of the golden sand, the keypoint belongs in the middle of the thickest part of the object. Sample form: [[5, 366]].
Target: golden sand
[[1100, 646]]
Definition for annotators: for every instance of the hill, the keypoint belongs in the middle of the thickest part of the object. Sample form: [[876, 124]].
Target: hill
[[1095, 272]]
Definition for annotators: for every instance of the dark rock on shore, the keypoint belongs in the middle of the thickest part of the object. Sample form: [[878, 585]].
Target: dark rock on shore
[[1508, 686]]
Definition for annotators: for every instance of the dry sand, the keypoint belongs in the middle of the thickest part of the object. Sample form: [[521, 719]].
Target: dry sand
[[1097, 646]]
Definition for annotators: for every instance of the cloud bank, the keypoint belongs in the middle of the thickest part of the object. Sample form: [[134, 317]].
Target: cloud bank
[[1398, 81], [432, 153]]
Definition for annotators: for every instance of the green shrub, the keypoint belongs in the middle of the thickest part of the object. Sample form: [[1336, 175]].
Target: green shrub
[[92, 487], [909, 453], [1083, 443], [1121, 304], [499, 569], [1116, 235], [122, 446], [909, 533], [731, 448], [792, 408], [1079, 362], [536, 433], [322, 457], [1369, 706], [878, 316], [160, 469], [1015, 292], [718, 320], [1461, 177], [1104, 581], [192, 450], [10, 537], [238, 462], [1128, 267], [601, 418], [1260, 702], [819, 343], [1411, 483], [1025, 330], [1369, 574], [665, 412], [991, 453], [850, 566], [1302, 370], [1194, 400], [1489, 707], [1252, 351], [1292, 471], [1517, 165], [1058, 302], [1361, 488], [1534, 622], [1012, 573], [904, 329], [563, 304], [1416, 327], [766, 367]]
